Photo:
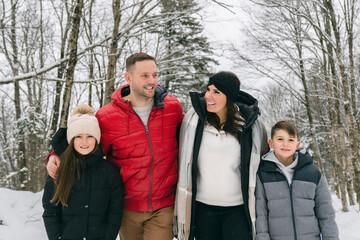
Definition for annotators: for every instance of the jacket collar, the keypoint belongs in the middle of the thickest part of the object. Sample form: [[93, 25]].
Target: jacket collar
[[91, 159], [304, 158], [247, 104], [199, 104], [120, 93]]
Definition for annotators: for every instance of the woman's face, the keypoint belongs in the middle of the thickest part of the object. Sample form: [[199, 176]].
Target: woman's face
[[84, 143], [215, 101]]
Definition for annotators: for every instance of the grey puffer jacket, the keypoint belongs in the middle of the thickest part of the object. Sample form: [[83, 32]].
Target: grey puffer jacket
[[299, 211]]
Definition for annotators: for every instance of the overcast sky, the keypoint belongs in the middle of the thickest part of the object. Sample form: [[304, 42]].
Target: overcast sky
[[223, 27]]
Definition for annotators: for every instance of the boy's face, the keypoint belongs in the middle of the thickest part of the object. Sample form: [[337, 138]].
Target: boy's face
[[284, 145]]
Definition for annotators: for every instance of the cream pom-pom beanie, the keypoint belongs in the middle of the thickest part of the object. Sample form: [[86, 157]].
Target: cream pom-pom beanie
[[83, 121]]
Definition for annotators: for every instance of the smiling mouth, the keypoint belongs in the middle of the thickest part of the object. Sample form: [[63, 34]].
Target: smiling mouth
[[149, 88], [285, 149], [84, 147], [210, 103]]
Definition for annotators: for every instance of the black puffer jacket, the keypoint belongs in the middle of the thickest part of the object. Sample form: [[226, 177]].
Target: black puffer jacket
[[94, 206]]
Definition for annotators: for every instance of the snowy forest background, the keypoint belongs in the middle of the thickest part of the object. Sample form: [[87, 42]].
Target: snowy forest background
[[301, 59]]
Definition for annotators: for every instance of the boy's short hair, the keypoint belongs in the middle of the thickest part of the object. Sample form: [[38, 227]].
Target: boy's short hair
[[286, 126], [137, 57]]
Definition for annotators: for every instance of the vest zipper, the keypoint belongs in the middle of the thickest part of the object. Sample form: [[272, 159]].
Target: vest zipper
[[291, 200], [151, 164], [151, 150], [292, 210], [87, 206]]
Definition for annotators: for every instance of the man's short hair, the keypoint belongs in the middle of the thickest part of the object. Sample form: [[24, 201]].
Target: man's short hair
[[137, 57], [286, 126]]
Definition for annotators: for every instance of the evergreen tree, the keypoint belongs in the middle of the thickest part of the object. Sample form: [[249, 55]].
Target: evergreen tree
[[187, 56]]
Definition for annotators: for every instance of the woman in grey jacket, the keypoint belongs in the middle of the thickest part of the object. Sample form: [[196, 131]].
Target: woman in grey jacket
[[292, 198]]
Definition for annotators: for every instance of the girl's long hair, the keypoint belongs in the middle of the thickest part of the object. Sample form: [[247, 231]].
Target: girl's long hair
[[235, 123], [71, 168]]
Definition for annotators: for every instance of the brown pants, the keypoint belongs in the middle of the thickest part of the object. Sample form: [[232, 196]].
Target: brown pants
[[156, 225]]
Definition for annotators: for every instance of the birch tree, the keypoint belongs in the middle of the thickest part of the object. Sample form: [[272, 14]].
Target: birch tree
[[69, 76]]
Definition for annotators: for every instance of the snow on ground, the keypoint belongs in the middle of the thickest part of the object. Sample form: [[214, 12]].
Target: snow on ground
[[21, 212], [348, 223]]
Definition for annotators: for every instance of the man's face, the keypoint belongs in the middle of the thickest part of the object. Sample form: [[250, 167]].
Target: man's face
[[143, 79]]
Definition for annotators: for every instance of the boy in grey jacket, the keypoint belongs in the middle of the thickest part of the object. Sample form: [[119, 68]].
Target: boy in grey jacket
[[292, 198]]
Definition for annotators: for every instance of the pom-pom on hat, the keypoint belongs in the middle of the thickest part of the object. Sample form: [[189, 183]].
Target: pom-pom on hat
[[227, 82], [83, 121]]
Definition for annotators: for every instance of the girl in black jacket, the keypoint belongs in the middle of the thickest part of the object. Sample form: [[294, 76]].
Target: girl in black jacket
[[85, 200]]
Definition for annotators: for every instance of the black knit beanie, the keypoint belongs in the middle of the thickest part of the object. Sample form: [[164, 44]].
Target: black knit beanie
[[227, 82]]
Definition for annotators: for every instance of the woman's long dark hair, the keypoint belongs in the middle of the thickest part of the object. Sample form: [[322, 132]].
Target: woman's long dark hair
[[70, 168], [234, 124]]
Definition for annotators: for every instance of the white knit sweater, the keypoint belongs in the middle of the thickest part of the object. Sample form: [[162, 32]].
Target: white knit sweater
[[219, 181]]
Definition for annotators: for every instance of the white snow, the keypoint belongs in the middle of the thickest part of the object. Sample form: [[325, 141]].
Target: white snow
[[21, 212]]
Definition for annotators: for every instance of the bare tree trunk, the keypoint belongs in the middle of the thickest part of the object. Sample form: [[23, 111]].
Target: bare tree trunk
[[334, 162], [333, 109], [38, 172], [298, 44], [347, 106], [350, 190], [112, 52], [61, 70], [349, 16], [343, 165], [41, 53], [337, 136], [72, 62], [22, 164], [91, 61]]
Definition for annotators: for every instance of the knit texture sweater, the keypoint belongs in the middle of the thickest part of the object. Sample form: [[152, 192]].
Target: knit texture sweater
[[219, 181]]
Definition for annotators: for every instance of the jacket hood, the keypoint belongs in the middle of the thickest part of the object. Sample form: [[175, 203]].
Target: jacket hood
[[247, 104], [123, 91], [270, 156], [269, 160]]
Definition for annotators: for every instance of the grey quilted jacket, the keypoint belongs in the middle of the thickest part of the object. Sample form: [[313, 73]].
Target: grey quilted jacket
[[299, 211]]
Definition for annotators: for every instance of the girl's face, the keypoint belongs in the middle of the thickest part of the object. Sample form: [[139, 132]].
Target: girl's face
[[215, 101], [84, 143]]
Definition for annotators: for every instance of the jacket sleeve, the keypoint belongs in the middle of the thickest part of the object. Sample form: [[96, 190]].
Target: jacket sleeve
[[52, 213], [180, 119], [325, 212], [106, 131], [262, 218], [58, 142], [115, 208]]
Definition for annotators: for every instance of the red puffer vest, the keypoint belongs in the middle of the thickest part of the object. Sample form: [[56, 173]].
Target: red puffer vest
[[147, 157]]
